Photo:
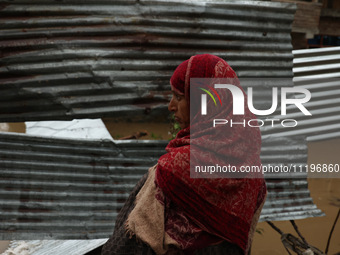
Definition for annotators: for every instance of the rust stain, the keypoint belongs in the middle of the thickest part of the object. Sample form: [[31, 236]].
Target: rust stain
[[129, 164], [3, 6], [99, 182], [28, 220], [26, 209]]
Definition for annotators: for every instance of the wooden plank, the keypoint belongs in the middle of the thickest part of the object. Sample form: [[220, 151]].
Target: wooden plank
[[307, 16]]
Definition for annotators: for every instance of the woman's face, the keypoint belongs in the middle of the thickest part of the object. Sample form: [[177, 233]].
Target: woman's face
[[180, 107]]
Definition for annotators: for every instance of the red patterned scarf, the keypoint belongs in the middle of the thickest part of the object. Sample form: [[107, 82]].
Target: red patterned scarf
[[201, 212]]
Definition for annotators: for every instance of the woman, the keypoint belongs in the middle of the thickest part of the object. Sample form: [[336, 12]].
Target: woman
[[170, 212]]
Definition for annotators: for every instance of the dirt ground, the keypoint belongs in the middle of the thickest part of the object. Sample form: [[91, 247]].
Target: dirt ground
[[3, 246], [324, 192]]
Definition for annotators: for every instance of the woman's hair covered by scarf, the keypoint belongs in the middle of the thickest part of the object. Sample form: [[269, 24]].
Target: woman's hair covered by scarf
[[223, 207]]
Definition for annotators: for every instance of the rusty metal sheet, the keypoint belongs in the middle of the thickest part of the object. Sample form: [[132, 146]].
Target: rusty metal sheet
[[65, 60], [66, 188], [104, 58], [53, 188]]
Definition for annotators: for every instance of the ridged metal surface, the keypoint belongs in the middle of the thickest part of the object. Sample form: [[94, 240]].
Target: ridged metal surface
[[55, 247], [73, 189], [65, 60], [318, 70], [288, 195], [112, 58], [65, 188]]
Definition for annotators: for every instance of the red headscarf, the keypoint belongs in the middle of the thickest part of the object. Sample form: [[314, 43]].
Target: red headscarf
[[220, 208]]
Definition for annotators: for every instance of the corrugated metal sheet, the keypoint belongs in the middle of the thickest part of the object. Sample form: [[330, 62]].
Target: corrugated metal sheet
[[73, 189], [83, 128], [288, 197], [65, 188], [318, 70], [65, 60], [55, 247]]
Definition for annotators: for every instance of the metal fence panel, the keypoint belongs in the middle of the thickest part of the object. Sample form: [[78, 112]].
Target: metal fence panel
[[318, 70], [73, 189], [113, 58], [65, 60]]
